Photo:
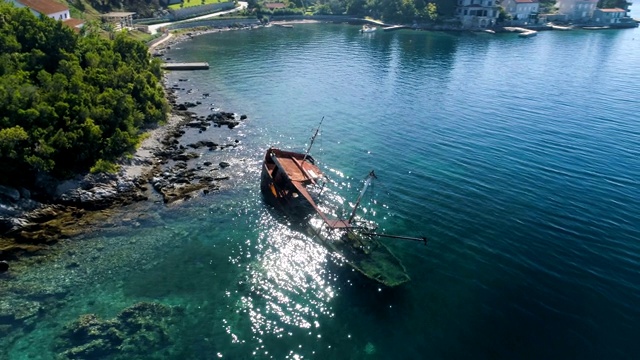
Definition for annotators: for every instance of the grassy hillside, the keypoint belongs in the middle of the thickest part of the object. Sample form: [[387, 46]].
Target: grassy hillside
[[81, 9]]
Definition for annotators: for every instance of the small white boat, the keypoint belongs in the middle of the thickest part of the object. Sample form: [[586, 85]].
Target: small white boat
[[562, 28], [368, 29], [528, 33]]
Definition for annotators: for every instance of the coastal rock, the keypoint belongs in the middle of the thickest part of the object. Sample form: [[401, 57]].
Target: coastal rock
[[203, 143], [9, 193], [224, 118], [4, 266], [185, 157], [9, 209], [101, 191], [186, 105], [197, 124]]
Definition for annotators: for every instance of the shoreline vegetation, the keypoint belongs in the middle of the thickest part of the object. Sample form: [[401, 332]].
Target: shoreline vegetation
[[159, 171]]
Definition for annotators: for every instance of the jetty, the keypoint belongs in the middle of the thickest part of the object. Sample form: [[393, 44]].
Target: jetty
[[395, 27], [186, 66], [522, 31]]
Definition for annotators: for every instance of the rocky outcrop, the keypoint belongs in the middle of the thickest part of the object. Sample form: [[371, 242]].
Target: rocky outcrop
[[167, 169], [224, 118], [100, 191]]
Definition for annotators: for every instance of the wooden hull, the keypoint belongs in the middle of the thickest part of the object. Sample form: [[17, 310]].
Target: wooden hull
[[364, 253], [280, 191]]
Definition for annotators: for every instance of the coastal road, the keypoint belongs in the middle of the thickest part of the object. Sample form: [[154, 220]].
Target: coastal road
[[153, 29]]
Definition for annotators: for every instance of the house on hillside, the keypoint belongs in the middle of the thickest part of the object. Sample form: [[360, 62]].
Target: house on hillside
[[577, 10], [477, 13], [48, 8], [522, 11], [51, 9]]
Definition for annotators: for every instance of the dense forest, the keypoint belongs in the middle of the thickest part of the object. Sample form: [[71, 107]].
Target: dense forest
[[69, 103]]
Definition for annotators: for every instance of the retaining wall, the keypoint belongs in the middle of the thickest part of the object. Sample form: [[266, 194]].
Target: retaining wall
[[194, 11]]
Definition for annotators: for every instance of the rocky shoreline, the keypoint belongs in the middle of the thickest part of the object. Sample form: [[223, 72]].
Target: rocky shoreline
[[163, 169], [175, 162]]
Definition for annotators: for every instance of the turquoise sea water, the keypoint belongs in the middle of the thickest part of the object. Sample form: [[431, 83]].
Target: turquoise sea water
[[518, 158]]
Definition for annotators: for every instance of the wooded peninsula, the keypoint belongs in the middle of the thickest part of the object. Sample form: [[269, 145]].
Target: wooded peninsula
[[70, 103]]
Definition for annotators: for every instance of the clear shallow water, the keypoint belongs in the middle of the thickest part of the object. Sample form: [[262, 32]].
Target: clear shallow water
[[518, 158]]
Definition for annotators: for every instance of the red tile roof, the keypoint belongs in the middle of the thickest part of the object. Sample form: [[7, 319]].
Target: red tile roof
[[275, 6], [73, 22], [45, 7], [613, 10]]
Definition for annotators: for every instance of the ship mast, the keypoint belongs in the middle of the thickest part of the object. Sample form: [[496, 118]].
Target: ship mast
[[313, 138], [367, 182]]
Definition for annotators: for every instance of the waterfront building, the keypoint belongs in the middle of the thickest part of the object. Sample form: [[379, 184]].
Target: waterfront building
[[577, 10], [609, 16], [614, 17], [522, 11], [477, 13]]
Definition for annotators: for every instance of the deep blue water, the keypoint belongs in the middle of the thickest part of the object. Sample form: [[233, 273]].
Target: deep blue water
[[517, 158]]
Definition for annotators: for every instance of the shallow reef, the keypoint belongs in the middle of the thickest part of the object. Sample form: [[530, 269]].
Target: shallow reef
[[142, 330]]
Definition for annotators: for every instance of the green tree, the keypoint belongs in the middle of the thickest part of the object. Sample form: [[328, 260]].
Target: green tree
[[68, 102], [432, 11]]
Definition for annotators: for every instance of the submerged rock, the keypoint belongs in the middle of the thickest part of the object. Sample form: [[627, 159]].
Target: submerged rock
[[140, 330]]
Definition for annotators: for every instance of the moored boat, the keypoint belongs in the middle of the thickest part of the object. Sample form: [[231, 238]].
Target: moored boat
[[368, 29]]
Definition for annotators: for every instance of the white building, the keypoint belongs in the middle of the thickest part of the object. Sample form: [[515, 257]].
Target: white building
[[577, 10], [477, 13], [47, 8], [609, 16], [52, 9], [522, 10]]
